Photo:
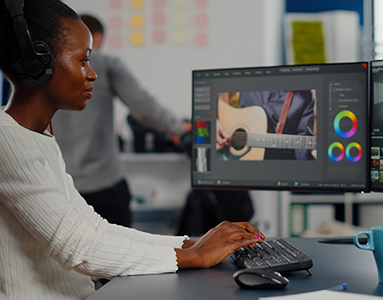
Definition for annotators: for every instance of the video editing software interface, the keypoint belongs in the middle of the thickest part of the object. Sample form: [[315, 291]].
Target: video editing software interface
[[302, 127], [377, 125]]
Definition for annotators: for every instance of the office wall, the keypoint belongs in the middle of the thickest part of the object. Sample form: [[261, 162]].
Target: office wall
[[177, 36]]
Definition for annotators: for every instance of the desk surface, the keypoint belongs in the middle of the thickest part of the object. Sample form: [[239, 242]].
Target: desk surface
[[333, 264]]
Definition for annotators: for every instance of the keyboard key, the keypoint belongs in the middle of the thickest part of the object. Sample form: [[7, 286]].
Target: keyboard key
[[276, 255]]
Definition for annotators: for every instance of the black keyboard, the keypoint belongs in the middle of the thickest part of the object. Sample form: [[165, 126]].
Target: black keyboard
[[277, 255]]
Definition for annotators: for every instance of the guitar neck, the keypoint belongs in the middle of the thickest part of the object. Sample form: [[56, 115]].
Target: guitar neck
[[281, 141]]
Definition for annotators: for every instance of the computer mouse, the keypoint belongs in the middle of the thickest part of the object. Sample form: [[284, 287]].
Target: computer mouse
[[260, 279]]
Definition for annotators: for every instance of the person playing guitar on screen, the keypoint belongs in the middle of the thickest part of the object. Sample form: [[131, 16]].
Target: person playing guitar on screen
[[266, 125]]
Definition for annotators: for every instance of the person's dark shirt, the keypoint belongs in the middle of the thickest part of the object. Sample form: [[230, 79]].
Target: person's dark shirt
[[299, 121]]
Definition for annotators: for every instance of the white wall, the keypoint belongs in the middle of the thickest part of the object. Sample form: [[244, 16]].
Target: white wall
[[241, 33]]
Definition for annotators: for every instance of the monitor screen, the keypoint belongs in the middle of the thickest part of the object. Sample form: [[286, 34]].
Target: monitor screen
[[377, 126], [302, 128], [5, 90]]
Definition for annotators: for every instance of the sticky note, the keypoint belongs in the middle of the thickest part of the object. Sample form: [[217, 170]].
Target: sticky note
[[308, 43], [179, 3], [179, 19], [137, 3], [137, 39], [159, 3], [201, 3], [201, 20], [115, 4], [201, 39], [137, 21], [159, 19], [115, 22], [159, 37], [114, 41], [179, 37]]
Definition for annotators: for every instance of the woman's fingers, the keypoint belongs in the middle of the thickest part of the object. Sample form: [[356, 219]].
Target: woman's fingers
[[217, 244], [242, 229]]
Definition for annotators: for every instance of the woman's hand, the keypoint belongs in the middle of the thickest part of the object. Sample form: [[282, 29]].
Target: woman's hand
[[217, 244]]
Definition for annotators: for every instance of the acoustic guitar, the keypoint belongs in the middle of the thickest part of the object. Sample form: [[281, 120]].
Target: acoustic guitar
[[248, 129]]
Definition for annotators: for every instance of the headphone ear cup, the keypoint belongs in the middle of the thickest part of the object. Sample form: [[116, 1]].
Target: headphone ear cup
[[17, 55], [36, 71], [43, 49]]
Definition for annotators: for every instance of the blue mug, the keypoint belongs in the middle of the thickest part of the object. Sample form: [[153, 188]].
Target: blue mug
[[375, 244]]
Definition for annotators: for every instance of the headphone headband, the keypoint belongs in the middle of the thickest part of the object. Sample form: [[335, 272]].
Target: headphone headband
[[15, 7]]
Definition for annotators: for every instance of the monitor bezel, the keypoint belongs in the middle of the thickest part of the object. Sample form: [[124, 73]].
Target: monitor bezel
[[372, 189], [301, 189]]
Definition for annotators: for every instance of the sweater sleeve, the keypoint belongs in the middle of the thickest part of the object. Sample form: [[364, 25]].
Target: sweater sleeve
[[51, 209], [141, 104]]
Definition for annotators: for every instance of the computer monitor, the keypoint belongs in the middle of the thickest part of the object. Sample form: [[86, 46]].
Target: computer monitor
[[5, 90], [318, 141], [377, 125]]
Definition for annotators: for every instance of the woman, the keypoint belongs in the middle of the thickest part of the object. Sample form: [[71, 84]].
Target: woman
[[51, 241]]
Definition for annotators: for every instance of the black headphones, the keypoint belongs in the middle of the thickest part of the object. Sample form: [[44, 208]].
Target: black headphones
[[33, 61]]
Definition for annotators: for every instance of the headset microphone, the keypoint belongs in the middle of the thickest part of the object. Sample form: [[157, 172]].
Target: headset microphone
[[33, 60]]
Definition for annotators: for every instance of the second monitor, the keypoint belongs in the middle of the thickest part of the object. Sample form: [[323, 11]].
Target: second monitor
[[288, 127]]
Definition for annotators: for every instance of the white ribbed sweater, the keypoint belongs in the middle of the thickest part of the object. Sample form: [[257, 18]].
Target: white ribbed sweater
[[51, 241]]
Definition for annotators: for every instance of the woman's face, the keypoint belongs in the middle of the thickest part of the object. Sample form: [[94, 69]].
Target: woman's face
[[71, 84]]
